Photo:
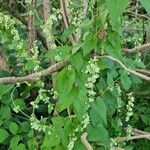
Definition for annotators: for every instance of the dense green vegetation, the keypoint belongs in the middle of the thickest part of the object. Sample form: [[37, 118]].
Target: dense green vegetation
[[74, 74]]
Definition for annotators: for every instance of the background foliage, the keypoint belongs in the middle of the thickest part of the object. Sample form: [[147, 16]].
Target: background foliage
[[97, 95]]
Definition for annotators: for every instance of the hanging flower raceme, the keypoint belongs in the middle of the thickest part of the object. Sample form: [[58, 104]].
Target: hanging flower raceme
[[130, 106], [48, 26], [7, 24], [92, 70]]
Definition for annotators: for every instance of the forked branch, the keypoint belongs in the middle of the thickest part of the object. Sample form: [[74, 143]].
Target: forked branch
[[125, 68], [34, 76]]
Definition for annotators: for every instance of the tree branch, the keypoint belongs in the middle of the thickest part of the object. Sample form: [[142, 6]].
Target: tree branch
[[34, 76], [143, 71], [46, 10], [85, 8], [54, 68], [139, 132], [85, 141], [137, 49], [31, 28], [128, 138], [127, 69]]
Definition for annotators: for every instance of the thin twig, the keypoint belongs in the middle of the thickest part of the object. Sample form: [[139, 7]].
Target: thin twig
[[136, 14], [65, 18], [127, 69], [85, 141], [126, 27], [31, 28], [34, 76]]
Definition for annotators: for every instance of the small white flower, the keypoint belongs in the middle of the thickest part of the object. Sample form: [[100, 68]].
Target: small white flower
[[16, 109]]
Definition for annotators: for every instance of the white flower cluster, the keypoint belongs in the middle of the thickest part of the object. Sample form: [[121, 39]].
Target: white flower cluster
[[34, 57], [91, 5], [28, 2], [129, 130], [138, 58], [17, 43], [42, 96], [80, 128], [84, 124], [16, 109], [8, 24], [47, 28], [54, 93], [40, 125], [72, 142], [92, 70], [58, 56], [35, 105], [130, 106], [76, 17], [36, 124], [76, 14], [113, 144], [86, 121], [118, 97]]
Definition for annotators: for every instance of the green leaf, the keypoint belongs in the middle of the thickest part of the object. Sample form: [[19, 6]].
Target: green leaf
[[79, 105], [64, 81], [3, 135], [6, 99], [116, 8], [30, 65], [13, 128], [65, 102], [110, 101], [126, 82], [146, 5], [86, 24], [21, 147], [78, 145], [104, 13], [25, 126], [98, 113], [145, 119], [90, 43], [63, 52], [68, 32], [50, 141], [113, 51], [19, 102], [14, 142], [77, 61], [98, 134], [5, 88], [58, 121], [5, 112]]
